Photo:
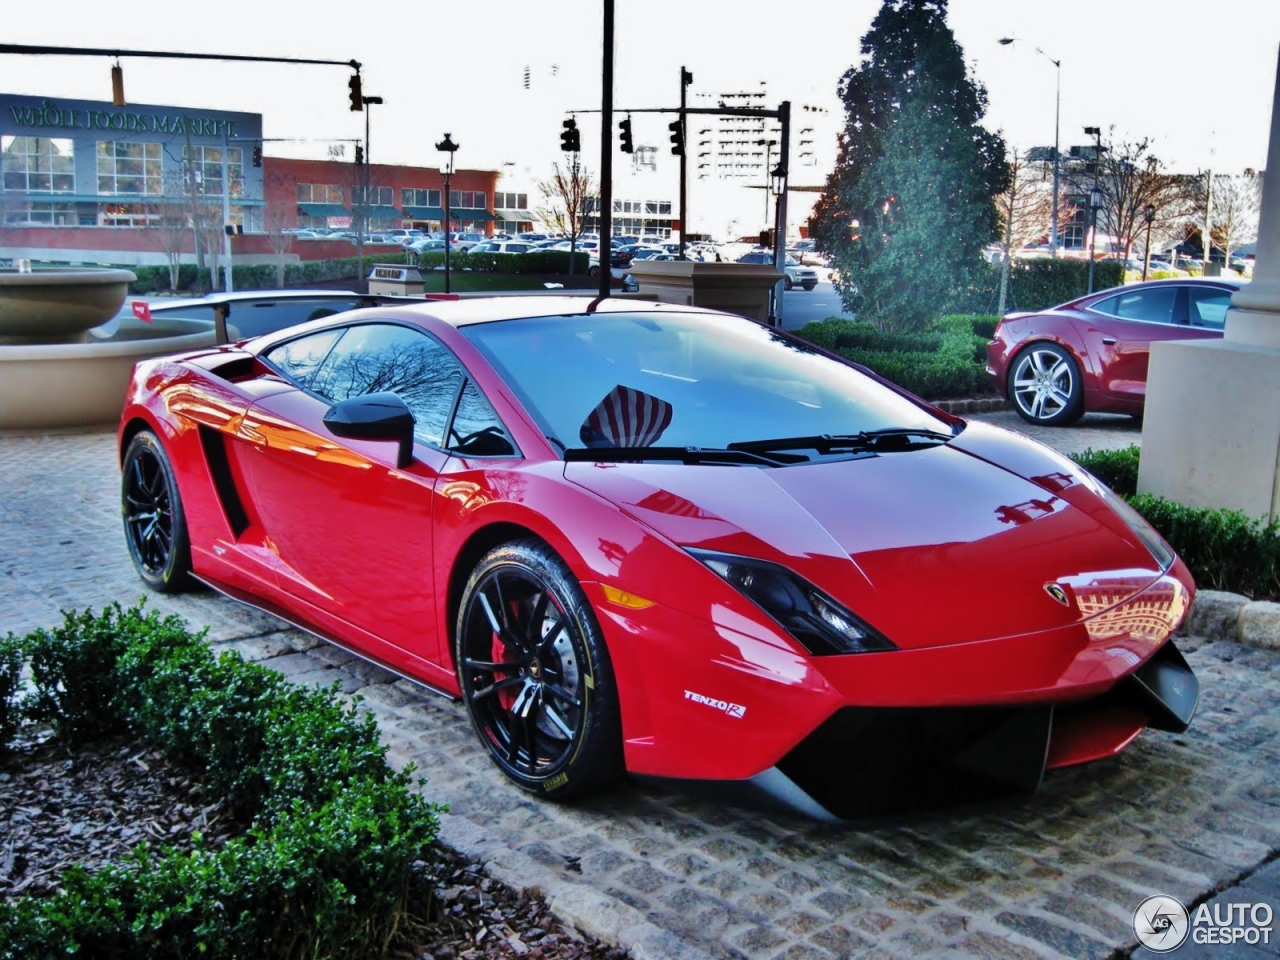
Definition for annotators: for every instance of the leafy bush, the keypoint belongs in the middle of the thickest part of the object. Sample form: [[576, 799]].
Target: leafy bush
[[1036, 284], [1118, 469], [1223, 549], [10, 681], [946, 360], [326, 865]]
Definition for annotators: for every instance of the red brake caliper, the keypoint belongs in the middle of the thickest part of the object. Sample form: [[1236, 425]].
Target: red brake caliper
[[498, 654]]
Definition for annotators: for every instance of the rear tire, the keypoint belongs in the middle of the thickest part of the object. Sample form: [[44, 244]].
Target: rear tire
[[809, 286], [535, 673], [155, 525], [1044, 385]]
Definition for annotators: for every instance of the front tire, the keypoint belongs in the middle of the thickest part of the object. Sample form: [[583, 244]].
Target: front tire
[[1044, 385], [535, 673], [809, 286], [155, 525], [786, 283]]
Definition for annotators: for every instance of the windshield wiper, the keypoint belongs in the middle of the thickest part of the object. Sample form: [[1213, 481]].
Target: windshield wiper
[[680, 454], [883, 440]]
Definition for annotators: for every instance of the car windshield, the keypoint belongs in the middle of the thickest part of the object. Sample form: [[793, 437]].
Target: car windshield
[[685, 380]]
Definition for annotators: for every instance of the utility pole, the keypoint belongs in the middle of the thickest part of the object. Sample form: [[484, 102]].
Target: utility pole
[[686, 78], [1208, 221], [780, 217], [606, 155], [228, 285]]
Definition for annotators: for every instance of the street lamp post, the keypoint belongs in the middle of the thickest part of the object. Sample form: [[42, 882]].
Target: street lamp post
[[1149, 214], [1095, 204], [362, 223], [449, 148], [768, 173], [1057, 118]]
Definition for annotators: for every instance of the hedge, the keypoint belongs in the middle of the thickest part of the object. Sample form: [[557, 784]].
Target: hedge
[[946, 361], [1223, 549], [1036, 284], [325, 866]]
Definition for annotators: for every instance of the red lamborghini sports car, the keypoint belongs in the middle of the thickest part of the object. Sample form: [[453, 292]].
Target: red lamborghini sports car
[[657, 540]]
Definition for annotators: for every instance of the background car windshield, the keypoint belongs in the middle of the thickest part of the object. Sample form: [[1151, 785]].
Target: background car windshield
[[671, 379]]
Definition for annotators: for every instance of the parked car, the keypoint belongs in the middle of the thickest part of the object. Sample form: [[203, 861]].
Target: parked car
[[736, 598], [1090, 355], [502, 246], [795, 274]]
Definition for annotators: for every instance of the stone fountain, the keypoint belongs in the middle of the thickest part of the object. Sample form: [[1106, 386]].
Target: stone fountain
[[59, 366]]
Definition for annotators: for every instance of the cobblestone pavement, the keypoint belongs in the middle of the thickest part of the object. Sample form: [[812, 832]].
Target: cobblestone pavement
[[674, 876]]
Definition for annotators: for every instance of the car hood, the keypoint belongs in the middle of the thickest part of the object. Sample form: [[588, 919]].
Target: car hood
[[931, 547]]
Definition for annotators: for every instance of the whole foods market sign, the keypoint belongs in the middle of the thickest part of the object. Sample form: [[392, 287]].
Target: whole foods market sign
[[47, 114]]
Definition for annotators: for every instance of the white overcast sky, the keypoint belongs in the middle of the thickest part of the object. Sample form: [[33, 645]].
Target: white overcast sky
[[1197, 78]]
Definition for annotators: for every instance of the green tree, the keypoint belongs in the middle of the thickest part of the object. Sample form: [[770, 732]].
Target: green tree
[[910, 203]]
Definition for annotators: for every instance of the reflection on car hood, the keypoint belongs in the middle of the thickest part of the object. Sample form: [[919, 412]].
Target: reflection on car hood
[[931, 547]]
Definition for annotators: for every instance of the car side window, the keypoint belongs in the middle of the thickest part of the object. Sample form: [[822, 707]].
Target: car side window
[[299, 359], [377, 357], [476, 430], [1208, 307], [1153, 305]]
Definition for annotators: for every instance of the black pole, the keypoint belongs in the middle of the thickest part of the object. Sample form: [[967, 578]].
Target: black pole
[[1146, 256], [606, 154], [686, 78], [448, 224]]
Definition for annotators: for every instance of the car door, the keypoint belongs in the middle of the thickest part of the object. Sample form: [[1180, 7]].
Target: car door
[[1118, 335], [354, 531]]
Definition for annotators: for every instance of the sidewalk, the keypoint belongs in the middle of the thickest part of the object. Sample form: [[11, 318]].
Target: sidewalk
[[670, 875]]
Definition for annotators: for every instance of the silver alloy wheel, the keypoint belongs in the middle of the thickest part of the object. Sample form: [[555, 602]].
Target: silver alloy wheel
[[1043, 383]]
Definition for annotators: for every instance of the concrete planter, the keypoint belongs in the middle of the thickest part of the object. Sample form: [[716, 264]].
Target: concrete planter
[[741, 288], [57, 304]]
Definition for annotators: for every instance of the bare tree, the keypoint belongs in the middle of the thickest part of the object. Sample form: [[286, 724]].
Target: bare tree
[[1131, 178], [279, 221], [564, 196], [1237, 204], [1026, 212], [168, 223]]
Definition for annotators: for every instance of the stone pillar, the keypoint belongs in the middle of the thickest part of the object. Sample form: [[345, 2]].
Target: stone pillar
[[1211, 432], [741, 288]]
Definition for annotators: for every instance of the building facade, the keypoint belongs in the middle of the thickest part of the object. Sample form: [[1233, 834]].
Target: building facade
[[87, 181]]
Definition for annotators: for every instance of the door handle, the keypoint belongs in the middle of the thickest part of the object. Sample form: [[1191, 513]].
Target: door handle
[[1109, 341]]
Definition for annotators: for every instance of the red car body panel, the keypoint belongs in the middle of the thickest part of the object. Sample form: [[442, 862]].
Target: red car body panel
[[946, 551], [1111, 352]]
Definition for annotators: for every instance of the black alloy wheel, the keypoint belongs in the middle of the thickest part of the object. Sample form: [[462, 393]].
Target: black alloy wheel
[[535, 674], [155, 526]]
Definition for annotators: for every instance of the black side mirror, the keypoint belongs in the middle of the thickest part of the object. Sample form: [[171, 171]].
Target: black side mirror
[[375, 416]]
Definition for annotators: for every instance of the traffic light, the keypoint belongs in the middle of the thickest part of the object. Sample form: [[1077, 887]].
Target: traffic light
[[357, 97], [677, 137], [628, 145], [257, 154], [359, 155], [570, 138]]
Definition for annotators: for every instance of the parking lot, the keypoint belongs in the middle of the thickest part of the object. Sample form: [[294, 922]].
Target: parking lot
[[672, 874]]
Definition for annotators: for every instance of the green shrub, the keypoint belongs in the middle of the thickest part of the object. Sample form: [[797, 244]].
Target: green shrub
[[1118, 469], [945, 361], [1036, 284], [10, 684], [325, 868], [1223, 549]]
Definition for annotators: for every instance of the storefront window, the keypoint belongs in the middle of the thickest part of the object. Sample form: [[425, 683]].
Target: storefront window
[[467, 199], [39, 164], [320, 193], [43, 214], [421, 198], [206, 167], [129, 168]]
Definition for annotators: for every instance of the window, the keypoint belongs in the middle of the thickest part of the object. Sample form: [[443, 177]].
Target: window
[[378, 196], [1208, 308], [320, 193], [206, 167], [299, 359], [510, 201], [41, 164], [1151, 306], [374, 357], [467, 199], [420, 198], [476, 430], [129, 168], [43, 214]]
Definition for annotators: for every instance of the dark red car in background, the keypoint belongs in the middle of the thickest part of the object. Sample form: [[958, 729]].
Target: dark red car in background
[[1090, 355]]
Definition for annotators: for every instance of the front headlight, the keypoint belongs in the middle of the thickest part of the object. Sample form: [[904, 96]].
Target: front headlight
[[818, 622], [1161, 552]]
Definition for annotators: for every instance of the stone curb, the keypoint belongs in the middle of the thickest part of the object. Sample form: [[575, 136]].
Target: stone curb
[[979, 405], [587, 910], [1219, 615]]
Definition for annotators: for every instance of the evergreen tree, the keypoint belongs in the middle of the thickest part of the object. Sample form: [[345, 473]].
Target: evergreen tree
[[910, 203]]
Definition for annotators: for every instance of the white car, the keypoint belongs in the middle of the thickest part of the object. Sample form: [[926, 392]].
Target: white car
[[796, 274], [502, 246]]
